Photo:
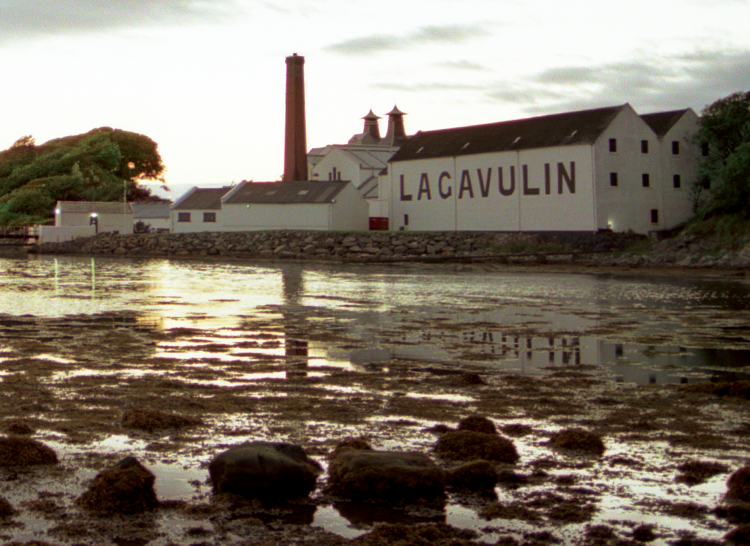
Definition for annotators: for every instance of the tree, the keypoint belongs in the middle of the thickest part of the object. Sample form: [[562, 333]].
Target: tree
[[95, 166], [724, 136]]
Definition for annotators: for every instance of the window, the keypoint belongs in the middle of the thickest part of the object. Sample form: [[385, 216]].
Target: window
[[406, 219], [704, 149], [612, 144], [646, 179], [675, 147], [654, 216], [613, 179], [183, 216], [644, 146], [209, 216], [706, 184], [677, 181]]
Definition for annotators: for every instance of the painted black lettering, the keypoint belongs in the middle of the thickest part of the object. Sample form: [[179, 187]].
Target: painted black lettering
[[424, 187], [484, 187], [445, 194], [569, 178], [547, 180], [404, 197], [465, 185], [526, 189], [511, 190]]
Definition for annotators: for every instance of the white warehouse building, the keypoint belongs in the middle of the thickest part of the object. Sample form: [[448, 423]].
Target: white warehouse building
[[605, 168]]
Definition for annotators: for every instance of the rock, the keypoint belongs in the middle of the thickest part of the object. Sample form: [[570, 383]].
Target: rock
[[468, 445], [477, 423], [6, 509], [350, 443], [267, 470], [18, 426], [739, 535], [578, 440], [738, 485], [477, 475], [695, 472], [20, 451], [126, 488], [390, 476], [151, 420], [421, 534]]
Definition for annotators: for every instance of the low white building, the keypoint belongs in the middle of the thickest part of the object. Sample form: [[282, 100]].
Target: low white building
[[605, 168], [154, 216], [199, 209], [306, 205]]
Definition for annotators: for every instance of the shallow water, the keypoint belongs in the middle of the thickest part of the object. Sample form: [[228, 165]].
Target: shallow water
[[642, 329]]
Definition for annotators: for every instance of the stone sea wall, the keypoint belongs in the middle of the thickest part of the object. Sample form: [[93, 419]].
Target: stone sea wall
[[355, 246], [609, 249]]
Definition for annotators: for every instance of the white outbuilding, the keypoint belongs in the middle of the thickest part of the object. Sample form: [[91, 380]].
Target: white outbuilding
[[198, 210], [605, 168], [305, 205]]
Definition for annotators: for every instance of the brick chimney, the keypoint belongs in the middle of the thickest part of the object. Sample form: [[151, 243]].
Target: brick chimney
[[295, 140]]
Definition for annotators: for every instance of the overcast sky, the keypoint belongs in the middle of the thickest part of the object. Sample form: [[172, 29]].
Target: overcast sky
[[205, 78]]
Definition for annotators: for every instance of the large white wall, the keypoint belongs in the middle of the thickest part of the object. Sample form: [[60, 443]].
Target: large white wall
[[678, 202], [541, 190]]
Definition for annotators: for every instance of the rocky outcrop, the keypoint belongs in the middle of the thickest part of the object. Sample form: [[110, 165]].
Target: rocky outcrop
[[125, 488], [22, 451], [265, 470], [385, 476]]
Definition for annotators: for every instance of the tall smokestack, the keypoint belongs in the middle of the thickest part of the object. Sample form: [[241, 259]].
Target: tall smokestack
[[295, 143]]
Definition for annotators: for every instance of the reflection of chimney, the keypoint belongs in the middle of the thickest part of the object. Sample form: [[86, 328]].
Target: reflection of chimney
[[396, 134], [295, 140]]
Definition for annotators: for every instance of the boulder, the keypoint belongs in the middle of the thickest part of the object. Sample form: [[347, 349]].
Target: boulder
[[21, 451], [477, 423], [125, 488], [577, 439], [738, 485], [476, 475], [467, 445], [151, 420], [266, 470], [366, 475]]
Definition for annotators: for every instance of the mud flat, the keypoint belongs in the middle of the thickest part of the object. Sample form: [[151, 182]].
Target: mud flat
[[651, 466]]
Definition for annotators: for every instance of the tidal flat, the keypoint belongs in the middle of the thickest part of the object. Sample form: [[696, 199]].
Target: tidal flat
[[316, 355]]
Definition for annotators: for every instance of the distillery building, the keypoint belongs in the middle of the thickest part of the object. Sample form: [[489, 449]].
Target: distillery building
[[604, 168]]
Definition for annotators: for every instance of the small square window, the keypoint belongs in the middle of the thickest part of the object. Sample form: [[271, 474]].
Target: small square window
[[654, 216], [677, 181], [183, 216], [644, 146], [704, 149], [612, 144], [613, 179], [209, 217], [675, 147], [646, 179], [706, 184]]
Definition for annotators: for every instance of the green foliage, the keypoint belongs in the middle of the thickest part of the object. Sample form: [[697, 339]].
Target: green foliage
[[95, 166], [724, 133], [728, 231]]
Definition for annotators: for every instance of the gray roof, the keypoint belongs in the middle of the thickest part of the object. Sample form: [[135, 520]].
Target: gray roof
[[150, 210], [100, 207], [662, 122], [567, 129], [201, 199], [285, 192]]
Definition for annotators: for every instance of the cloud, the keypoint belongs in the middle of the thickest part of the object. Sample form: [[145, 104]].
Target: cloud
[[32, 18], [689, 80], [462, 65], [376, 43]]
